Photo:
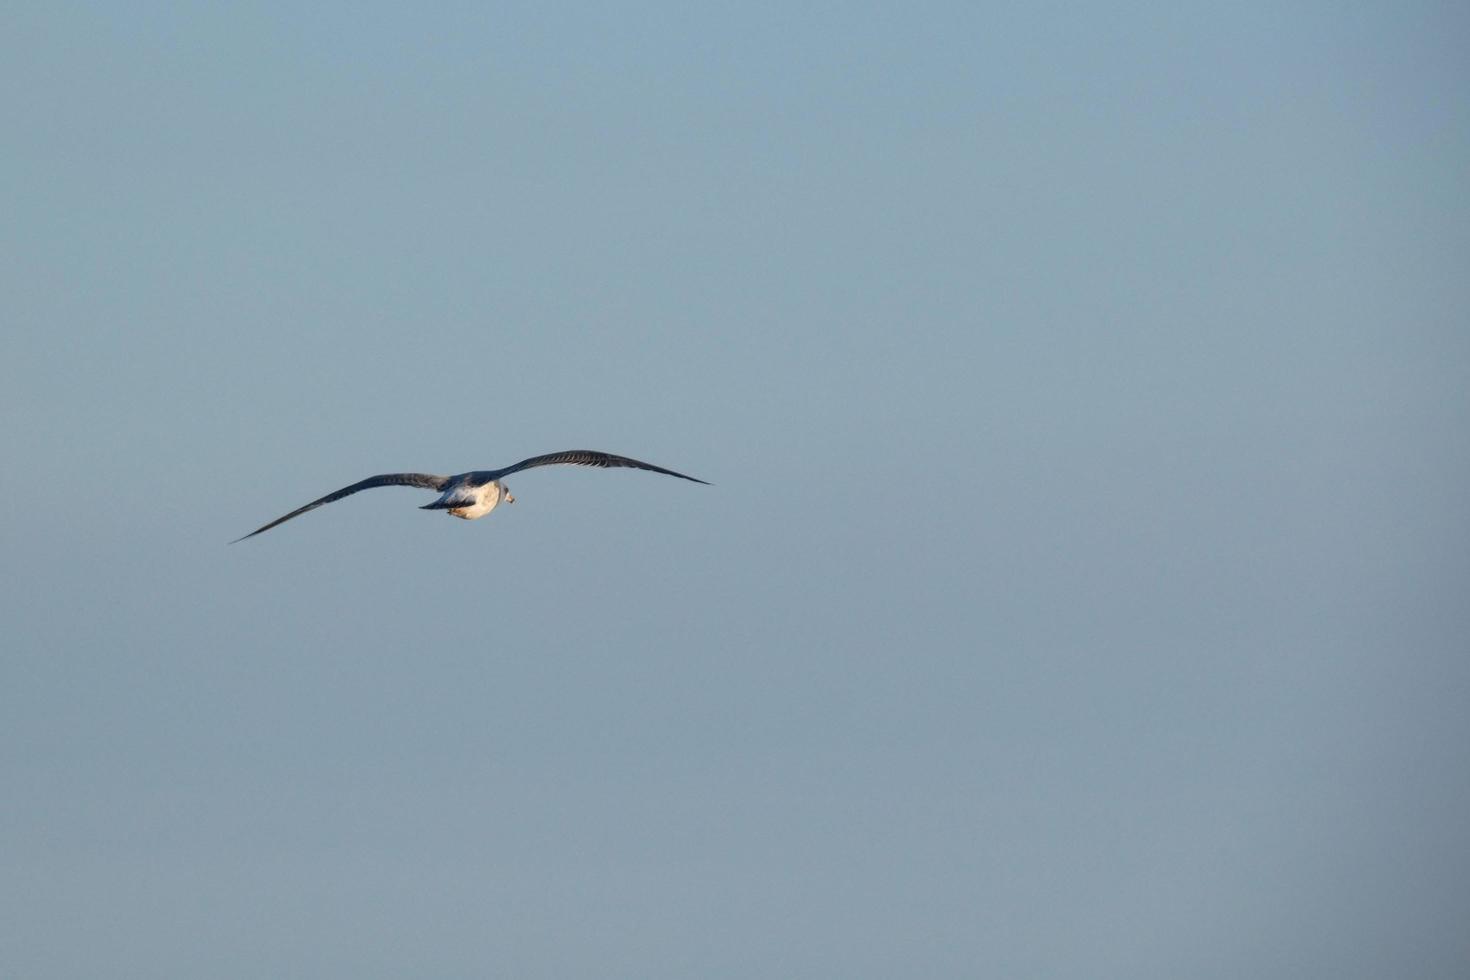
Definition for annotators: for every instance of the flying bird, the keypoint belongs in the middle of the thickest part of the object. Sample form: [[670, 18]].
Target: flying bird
[[477, 493]]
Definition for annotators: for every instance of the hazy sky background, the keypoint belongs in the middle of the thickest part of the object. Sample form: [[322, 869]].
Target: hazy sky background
[[1085, 586]]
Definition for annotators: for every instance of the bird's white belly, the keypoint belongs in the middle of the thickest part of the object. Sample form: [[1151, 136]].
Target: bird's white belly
[[482, 501]]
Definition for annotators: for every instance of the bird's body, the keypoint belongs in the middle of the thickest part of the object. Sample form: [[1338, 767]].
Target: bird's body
[[482, 501], [474, 494], [463, 497]]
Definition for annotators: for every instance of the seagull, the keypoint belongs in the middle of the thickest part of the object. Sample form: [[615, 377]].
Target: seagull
[[474, 494]]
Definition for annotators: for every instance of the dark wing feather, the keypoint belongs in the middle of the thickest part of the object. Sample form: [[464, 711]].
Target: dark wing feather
[[587, 457], [426, 480]]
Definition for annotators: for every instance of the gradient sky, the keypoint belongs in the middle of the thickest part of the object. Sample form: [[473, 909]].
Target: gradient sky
[[1083, 589]]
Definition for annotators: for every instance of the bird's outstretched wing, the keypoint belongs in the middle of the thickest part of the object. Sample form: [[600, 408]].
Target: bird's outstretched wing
[[426, 480], [583, 457]]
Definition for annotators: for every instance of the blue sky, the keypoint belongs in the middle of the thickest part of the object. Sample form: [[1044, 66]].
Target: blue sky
[[1080, 593]]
